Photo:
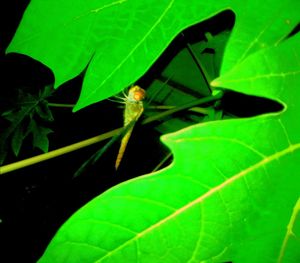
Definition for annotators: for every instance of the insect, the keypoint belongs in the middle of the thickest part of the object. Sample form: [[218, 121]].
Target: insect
[[174, 91], [133, 110]]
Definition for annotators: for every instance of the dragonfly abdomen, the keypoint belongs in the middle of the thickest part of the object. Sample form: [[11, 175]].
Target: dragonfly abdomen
[[133, 110]]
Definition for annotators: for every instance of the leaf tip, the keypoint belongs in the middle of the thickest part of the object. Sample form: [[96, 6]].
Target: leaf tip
[[216, 82], [79, 105]]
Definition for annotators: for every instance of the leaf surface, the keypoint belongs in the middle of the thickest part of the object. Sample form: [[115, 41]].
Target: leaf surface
[[231, 190], [227, 196], [22, 122], [119, 40], [291, 241]]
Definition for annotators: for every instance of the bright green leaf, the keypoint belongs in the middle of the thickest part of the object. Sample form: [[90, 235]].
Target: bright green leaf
[[227, 196], [291, 242], [119, 40], [231, 190]]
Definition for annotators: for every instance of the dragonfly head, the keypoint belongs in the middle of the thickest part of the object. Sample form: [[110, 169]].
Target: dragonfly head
[[136, 93]]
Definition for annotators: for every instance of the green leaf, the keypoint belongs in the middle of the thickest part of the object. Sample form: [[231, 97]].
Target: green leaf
[[231, 190], [228, 195], [42, 109], [120, 40], [40, 135], [291, 242], [22, 122], [17, 139]]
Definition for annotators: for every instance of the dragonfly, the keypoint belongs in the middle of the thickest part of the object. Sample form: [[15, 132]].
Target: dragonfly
[[134, 108]]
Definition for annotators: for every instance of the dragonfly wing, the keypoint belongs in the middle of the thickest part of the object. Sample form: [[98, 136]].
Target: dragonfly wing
[[133, 110]]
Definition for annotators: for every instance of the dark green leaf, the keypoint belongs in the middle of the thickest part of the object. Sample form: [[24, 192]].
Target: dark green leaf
[[22, 122], [17, 139], [42, 110], [40, 135]]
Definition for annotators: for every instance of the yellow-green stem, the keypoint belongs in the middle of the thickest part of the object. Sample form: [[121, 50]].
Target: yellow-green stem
[[76, 146]]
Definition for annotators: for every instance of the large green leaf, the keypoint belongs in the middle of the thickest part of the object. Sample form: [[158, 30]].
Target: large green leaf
[[121, 39], [290, 243], [231, 198], [231, 191]]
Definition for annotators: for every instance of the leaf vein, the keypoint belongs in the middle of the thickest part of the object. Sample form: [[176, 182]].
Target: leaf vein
[[157, 22], [263, 76], [214, 190], [98, 221]]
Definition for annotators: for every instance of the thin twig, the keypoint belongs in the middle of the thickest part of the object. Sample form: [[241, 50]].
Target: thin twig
[[199, 65], [61, 105], [79, 145], [201, 110], [183, 107], [55, 153], [162, 162]]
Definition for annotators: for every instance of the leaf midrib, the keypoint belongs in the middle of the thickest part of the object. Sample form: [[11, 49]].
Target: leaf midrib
[[129, 54], [191, 204]]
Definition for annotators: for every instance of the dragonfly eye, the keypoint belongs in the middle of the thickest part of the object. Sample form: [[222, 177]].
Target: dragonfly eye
[[136, 93], [139, 95]]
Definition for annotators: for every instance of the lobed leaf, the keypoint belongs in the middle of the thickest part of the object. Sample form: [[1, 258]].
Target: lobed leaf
[[227, 196], [231, 190], [22, 123], [119, 40]]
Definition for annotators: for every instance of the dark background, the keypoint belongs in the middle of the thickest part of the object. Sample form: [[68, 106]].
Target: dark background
[[36, 200]]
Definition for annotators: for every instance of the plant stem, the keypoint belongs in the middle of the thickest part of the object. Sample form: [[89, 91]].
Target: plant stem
[[61, 105], [183, 107], [164, 160], [76, 146], [55, 153]]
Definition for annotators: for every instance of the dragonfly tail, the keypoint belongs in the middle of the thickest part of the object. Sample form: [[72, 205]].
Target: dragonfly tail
[[124, 142]]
